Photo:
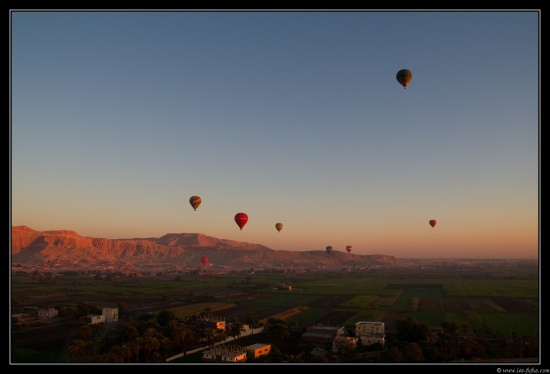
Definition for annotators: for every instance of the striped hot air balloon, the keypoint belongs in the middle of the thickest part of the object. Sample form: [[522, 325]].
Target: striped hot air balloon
[[195, 201], [404, 77]]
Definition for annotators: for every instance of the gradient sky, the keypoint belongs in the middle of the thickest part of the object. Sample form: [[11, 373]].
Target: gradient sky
[[118, 118]]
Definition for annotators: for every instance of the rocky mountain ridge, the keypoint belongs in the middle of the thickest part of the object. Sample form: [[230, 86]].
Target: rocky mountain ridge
[[65, 248]]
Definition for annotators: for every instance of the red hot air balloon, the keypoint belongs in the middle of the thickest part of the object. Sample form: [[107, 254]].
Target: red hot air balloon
[[241, 219], [204, 260], [195, 201], [432, 222], [348, 248]]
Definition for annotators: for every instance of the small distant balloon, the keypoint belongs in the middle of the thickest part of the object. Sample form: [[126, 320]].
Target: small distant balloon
[[195, 201], [241, 219], [329, 249], [279, 226], [348, 248], [432, 222], [404, 77], [204, 260]]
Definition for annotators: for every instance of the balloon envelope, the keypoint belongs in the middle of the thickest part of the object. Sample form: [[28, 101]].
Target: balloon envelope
[[329, 249], [432, 222], [195, 201], [204, 260], [241, 219], [404, 77], [279, 226], [348, 248]]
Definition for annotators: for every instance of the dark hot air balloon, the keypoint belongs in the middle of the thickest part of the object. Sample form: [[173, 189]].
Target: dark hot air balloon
[[241, 219], [195, 201], [279, 226], [348, 248], [204, 260], [329, 249], [404, 77], [432, 222]]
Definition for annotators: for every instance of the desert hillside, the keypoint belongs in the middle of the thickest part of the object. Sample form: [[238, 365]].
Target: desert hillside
[[65, 248]]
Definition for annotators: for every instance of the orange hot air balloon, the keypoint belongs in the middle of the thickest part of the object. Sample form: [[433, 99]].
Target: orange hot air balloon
[[279, 226], [348, 248], [432, 222], [195, 201], [204, 260], [241, 219], [404, 77]]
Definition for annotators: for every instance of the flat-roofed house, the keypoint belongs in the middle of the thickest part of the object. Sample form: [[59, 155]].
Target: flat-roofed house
[[47, 313], [258, 349], [92, 319], [370, 339], [111, 314], [321, 335], [367, 327], [370, 332]]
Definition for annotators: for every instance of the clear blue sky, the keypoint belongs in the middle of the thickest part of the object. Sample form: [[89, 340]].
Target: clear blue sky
[[118, 118]]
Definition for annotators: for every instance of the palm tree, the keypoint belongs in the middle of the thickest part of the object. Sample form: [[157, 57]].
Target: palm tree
[[218, 335], [136, 345], [393, 355], [413, 352], [236, 329], [251, 319], [151, 342], [78, 349], [277, 329], [181, 335]]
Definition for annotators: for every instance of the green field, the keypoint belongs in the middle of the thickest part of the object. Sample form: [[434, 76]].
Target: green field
[[499, 306]]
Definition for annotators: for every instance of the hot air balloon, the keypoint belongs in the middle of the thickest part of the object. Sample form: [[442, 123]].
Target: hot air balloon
[[404, 77], [279, 226], [432, 222], [195, 201], [329, 249], [241, 219], [348, 248], [204, 260]]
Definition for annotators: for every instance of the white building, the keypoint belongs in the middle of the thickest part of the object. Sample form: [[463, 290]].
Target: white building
[[366, 327], [370, 332], [111, 314], [370, 339], [92, 319], [47, 313]]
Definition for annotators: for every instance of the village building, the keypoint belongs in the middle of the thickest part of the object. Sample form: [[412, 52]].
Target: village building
[[258, 349], [370, 332], [47, 313], [370, 339], [366, 327], [32, 310], [321, 335], [111, 314], [92, 319], [344, 343], [210, 322], [224, 354]]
